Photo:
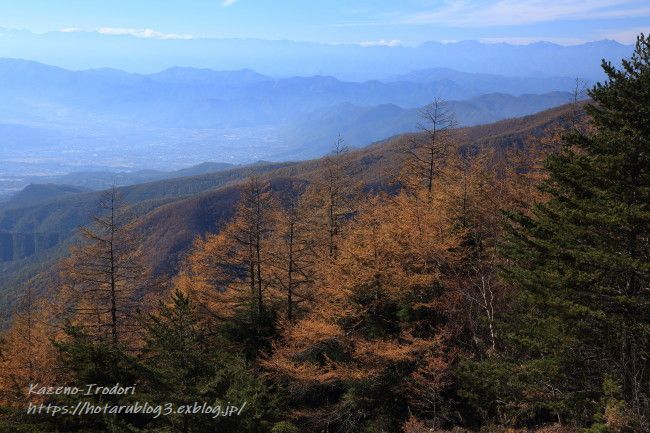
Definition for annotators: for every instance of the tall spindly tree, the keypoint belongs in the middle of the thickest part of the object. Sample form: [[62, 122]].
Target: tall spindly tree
[[332, 197], [230, 273], [428, 152], [105, 273], [293, 248]]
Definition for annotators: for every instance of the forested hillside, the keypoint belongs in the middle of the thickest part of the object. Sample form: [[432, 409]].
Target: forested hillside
[[492, 278], [38, 230], [173, 212]]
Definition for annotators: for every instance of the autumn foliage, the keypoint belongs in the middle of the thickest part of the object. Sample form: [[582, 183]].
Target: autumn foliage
[[474, 285]]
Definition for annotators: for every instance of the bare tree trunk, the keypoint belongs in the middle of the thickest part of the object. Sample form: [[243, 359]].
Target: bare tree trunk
[[290, 274], [105, 271], [113, 293]]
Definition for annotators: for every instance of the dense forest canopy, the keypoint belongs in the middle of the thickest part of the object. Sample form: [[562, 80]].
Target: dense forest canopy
[[469, 286]]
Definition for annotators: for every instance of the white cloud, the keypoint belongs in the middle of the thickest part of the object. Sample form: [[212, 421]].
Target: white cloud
[[525, 40], [381, 43], [141, 33], [227, 3], [138, 33], [464, 13]]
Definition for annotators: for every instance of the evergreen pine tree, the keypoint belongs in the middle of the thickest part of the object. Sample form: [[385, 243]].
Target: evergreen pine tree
[[184, 363], [581, 259]]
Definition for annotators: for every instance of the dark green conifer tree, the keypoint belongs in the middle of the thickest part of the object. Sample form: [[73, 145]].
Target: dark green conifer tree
[[185, 363], [581, 260]]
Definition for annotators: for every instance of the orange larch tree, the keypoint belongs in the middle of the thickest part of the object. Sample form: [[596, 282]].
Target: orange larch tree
[[104, 275], [380, 315], [26, 350], [293, 248], [230, 273]]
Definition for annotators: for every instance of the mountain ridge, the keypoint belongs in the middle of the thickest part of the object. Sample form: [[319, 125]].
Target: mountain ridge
[[283, 57], [53, 120]]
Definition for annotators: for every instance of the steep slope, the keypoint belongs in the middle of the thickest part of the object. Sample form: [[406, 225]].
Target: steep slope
[[362, 125], [35, 193], [57, 218], [173, 212], [170, 229]]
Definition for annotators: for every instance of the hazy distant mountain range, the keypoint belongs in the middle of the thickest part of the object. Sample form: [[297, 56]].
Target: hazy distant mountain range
[[201, 98], [240, 101], [55, 121], [83, 50]]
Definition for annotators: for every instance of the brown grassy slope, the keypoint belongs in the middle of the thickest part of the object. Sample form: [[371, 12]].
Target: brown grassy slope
[[170, 229]]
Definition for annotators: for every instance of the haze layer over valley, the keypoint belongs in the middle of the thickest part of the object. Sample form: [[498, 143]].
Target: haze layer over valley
[[55, 121]]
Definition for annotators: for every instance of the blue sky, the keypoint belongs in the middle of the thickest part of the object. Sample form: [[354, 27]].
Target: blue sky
[[368, 22]]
